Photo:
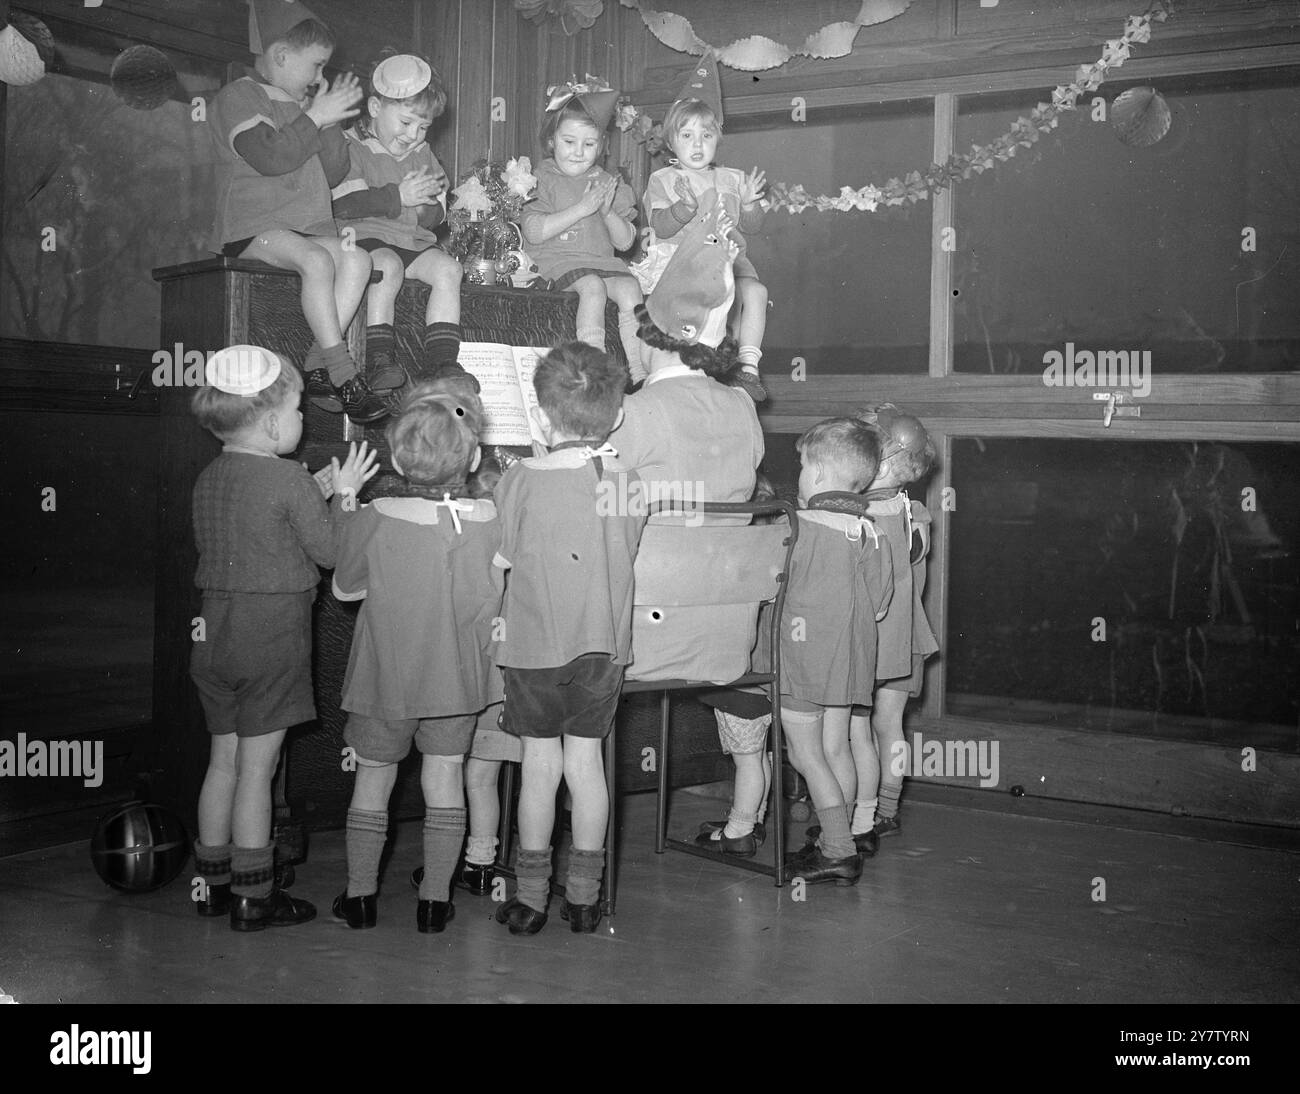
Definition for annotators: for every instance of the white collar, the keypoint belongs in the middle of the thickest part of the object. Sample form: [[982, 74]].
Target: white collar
[[671, 372], [245, 450]]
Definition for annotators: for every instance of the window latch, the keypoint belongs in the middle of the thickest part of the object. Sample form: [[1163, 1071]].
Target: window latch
[[1114, 401]]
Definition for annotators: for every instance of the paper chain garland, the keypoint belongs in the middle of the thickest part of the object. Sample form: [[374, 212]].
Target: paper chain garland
[[1026, 130], [756, 52]]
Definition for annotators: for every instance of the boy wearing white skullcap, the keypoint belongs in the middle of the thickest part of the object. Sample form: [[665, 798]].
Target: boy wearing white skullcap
[[262, 530]]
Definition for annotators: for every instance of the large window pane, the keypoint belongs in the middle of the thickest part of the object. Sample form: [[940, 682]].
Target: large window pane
[[849, 291], [1084, 239], [1127, 587]]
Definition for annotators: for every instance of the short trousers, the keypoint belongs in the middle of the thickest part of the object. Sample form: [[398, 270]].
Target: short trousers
[[239, 246], [579, 699], [405, 254], [388, 740], [253, 668], [911, 683], [742, 702], [491, 742], [741, 736]]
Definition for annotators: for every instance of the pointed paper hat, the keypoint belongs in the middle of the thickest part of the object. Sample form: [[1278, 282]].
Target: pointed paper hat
[[271, 20], [703, 84], [696, 290], [595, 96]]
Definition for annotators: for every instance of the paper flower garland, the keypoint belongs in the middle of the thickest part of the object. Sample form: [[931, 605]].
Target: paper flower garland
[[1024, 133], [757, 52], [143, 77], [26, 50], [574, 15]]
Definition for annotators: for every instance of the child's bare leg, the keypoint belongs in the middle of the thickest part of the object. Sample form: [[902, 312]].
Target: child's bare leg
[[442, 778], [442, 333], [752, 322], [382, 370], [217, 798], [835, 744], [352, 267], [314, 262], [862, 742], [256, 759], [803, 730], [584, 774], [481, 779], [443, 275], [626, 293], [381, 301], [749, 795], [367, 824], [891, 746], [543, 767], [591, 310]]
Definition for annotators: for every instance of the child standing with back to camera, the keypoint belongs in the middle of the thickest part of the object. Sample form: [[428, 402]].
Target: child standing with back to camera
[[277, 156], [394, 197], [905, 637], [692, 130], [581, 215], [262, 529]]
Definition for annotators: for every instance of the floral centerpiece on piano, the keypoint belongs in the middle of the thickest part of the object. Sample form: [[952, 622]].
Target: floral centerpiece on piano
[[484, 215]]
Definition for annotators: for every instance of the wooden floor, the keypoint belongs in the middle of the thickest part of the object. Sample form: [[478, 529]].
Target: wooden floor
[[970, 903]]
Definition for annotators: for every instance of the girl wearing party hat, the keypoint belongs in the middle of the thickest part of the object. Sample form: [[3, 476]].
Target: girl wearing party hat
[[393, 198], [581, 214], [693, 131]]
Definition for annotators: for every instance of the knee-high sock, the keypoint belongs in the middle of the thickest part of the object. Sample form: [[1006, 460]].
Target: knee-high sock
[[252, 871], [864, 815], [533, 873], [889, 796], [593, 336], [441, 344], [628, 325], [582, 884], [213, 863], [835, 841], [367, 832], [336, 359], [444, 832]]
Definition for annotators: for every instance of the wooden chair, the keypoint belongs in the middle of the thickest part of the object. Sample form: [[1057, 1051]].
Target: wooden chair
[[683, 566]]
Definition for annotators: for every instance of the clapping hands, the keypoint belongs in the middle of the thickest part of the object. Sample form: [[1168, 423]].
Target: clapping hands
[[335, 104], [751, 190], [420, 187]]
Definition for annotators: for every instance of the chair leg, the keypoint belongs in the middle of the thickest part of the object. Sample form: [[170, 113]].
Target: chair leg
[[504, 833], [661, 799], [777, 789], [611, 879]]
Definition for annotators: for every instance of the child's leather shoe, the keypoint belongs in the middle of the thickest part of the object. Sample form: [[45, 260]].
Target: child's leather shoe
[[432, 916], [888, 826], [382, 372], [216, 900], [581, 918], [867, 843], [814, 867], [740, 847], [520, 918], [751, 384], [475, 878], [248, 913], [352, 397], [760, 830], [358, 912]]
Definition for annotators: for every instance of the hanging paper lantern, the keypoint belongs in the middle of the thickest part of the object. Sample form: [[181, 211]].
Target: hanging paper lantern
[[26, 50], [143, 77], [1140, 116]]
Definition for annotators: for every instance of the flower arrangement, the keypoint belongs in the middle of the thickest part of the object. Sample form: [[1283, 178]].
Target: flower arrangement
[[485, 207]]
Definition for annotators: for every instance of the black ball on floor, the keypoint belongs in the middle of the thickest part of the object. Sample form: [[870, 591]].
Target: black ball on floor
[[139, 847]]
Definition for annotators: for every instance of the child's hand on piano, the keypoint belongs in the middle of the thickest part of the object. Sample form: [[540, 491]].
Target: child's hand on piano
[[358, 469]]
